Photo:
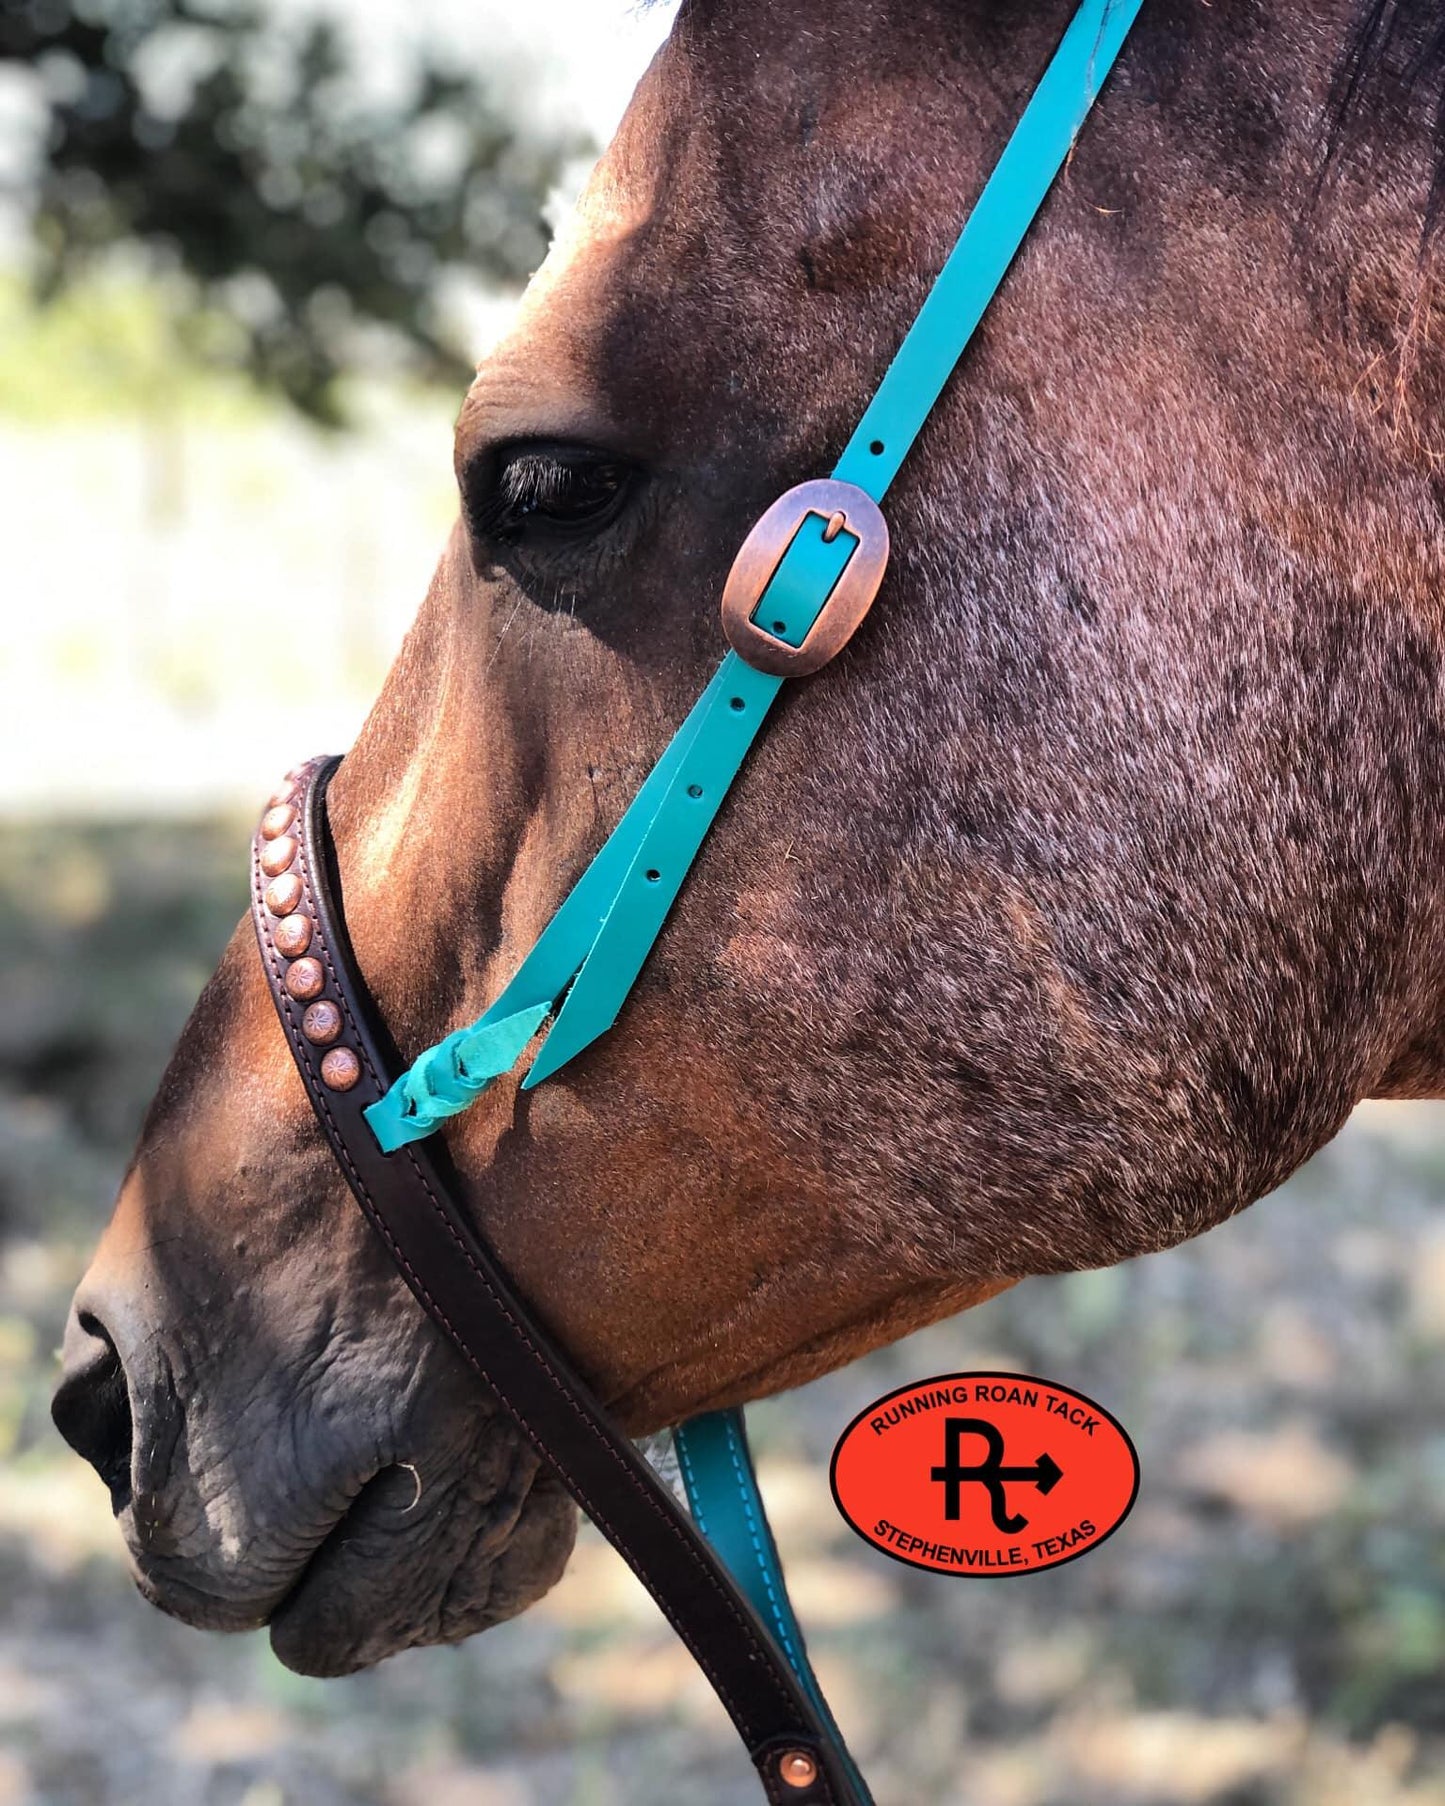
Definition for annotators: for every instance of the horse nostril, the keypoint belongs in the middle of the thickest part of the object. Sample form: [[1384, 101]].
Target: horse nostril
[[91, 1407]]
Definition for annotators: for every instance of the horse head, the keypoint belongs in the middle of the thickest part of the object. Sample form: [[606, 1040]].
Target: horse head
[[1064, 914]]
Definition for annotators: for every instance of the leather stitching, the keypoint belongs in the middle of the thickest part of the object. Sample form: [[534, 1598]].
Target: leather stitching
[[302, 1050]]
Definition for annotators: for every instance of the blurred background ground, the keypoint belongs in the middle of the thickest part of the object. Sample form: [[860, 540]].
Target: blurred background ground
[[1268, 1629]]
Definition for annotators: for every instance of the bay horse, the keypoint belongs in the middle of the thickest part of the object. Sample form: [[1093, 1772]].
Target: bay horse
[[1065, 916]]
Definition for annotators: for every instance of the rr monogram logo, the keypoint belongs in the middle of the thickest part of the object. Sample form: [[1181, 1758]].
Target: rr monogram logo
[[991, 1473]]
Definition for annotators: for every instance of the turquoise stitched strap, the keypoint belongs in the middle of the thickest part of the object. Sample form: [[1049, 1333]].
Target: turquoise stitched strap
[[727, 1506], [600, 937]]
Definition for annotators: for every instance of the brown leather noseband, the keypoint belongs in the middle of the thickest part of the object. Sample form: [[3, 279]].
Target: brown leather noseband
[[411, 1198]]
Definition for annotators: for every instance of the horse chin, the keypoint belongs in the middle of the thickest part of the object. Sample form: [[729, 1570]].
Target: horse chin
[[389, 1578]]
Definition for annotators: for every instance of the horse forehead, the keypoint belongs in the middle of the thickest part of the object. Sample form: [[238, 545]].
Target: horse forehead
[[619, 201], [659, 167], [539, 378], [698, 213]]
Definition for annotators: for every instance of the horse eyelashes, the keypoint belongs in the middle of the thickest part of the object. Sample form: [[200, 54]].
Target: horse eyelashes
[[539, 485], [566, 490]]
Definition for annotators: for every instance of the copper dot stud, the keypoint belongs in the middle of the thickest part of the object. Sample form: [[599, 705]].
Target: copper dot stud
[[277, 821], [292, 935], [797, 1768], [276, 855], [283, 793], [304, 979], [340, 1069], [322, 1023], [283, 894]]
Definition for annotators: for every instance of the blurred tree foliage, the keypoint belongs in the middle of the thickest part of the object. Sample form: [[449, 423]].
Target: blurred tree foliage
[[302, 227]]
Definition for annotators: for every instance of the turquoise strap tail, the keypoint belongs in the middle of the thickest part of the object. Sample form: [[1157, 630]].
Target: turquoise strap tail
[[598, 940], [727, 1506]]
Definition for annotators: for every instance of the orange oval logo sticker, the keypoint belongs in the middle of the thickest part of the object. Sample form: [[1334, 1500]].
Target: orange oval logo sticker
[[985, 1473]]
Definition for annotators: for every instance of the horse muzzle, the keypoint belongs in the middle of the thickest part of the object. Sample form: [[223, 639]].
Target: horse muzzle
[[284, 1492]]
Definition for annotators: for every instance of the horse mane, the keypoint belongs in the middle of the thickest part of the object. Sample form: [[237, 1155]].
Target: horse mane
[[1395, 62]]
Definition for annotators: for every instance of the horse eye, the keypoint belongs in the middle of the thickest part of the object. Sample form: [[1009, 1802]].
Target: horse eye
[[557, 489]]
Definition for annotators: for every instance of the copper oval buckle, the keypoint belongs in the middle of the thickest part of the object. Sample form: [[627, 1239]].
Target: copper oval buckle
[[844, 510]]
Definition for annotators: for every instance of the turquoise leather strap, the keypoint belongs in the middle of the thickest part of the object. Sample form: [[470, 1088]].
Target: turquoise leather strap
[[589, 956], [986, 247], [727, 1506]]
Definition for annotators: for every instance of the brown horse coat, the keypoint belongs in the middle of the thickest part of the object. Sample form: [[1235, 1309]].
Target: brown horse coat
[[1064, 915]]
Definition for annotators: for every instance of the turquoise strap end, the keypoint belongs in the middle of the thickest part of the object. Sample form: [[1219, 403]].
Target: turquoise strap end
[[727, 1507], [450, 1075]]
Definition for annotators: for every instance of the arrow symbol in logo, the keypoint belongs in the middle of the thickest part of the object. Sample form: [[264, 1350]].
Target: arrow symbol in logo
[[990, 1473]]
